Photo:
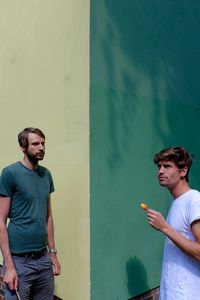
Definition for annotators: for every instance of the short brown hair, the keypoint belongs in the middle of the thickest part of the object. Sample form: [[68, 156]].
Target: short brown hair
[[23, 135], [176, 154]]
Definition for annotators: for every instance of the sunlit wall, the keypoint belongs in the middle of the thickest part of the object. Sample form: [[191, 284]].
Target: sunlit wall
[[44, 70]]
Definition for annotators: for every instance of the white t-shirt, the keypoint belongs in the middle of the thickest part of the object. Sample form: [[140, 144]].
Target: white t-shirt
[[180, 279]]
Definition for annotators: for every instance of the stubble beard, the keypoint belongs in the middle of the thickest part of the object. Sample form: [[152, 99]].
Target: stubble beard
[[34, 158]]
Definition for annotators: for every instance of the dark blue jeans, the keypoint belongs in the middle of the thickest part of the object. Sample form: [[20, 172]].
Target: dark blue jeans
[[36, 279]]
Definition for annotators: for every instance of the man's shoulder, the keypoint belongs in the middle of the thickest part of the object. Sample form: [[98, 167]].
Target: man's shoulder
[[190, 194], [41, 167], [191, 199], [41, 170], [12, 166], [194, 193]]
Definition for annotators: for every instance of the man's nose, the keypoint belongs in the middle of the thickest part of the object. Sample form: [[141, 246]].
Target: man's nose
[[160, 170]]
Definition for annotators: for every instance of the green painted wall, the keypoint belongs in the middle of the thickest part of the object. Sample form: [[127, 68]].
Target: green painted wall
[[144, 96]]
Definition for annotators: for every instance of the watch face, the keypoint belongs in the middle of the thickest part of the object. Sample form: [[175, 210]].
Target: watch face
[[52, 251]]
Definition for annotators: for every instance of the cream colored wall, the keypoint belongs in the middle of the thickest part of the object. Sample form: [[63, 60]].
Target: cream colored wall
[[44, 82]]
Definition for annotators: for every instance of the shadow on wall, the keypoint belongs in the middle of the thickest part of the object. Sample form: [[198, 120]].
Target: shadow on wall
[[136, 276], [145, 70], [147, 48]]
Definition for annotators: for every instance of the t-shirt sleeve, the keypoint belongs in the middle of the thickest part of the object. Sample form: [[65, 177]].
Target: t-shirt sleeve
[[6, 183], [52, 189], [194, 210]]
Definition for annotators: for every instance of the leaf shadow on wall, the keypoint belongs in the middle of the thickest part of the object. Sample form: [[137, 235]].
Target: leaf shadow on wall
[[136, 277], [151, 49]]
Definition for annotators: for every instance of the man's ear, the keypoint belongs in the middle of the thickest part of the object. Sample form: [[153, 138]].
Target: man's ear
[[23, 149], [184, 171]]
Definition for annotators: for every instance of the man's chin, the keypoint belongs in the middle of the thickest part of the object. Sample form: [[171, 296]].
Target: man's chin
[[37, 159], [40, 157]]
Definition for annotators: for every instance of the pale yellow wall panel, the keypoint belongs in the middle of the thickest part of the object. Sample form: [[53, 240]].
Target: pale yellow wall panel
[[44, 82]]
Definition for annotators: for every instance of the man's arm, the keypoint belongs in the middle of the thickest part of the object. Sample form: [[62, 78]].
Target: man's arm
[[189, 247], [10, 277], [51, 241]]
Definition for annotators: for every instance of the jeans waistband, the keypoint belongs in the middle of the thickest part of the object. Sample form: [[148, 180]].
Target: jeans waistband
[[33, 255]]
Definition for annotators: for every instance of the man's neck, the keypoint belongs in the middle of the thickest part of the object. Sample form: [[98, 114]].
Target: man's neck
[[180, 189], [29, 164]]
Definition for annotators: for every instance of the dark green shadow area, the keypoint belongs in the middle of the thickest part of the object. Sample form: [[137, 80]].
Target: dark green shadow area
[[144, 96]]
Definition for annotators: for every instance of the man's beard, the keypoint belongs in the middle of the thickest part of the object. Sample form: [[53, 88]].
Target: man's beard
[[34, 158]]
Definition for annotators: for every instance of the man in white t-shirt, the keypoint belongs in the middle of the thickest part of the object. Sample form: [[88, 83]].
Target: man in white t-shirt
[[180, 279]]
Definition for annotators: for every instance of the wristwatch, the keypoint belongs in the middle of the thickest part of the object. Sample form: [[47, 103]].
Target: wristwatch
[[53, 251]]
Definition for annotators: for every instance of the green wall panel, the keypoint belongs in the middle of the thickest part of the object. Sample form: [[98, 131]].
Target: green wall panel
[[144, 96]]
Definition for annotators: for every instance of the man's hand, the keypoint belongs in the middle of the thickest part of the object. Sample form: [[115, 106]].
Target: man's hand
[[55, 263], [156, 220], [11, 279]]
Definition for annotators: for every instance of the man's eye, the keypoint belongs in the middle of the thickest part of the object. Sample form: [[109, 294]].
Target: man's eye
[[167, 166]]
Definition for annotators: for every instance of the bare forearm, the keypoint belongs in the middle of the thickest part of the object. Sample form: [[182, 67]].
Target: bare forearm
[[5, 249], [51, 245], [50, 232], [189, 247], [10, 276]]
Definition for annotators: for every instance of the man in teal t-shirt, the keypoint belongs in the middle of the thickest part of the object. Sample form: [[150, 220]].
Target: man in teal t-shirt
[[25, 189]]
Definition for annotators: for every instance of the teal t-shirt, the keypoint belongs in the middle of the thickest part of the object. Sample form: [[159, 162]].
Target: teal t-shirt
[[29, 193]]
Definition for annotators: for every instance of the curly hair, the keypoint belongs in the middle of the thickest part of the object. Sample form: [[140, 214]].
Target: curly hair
[[176, 154]]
